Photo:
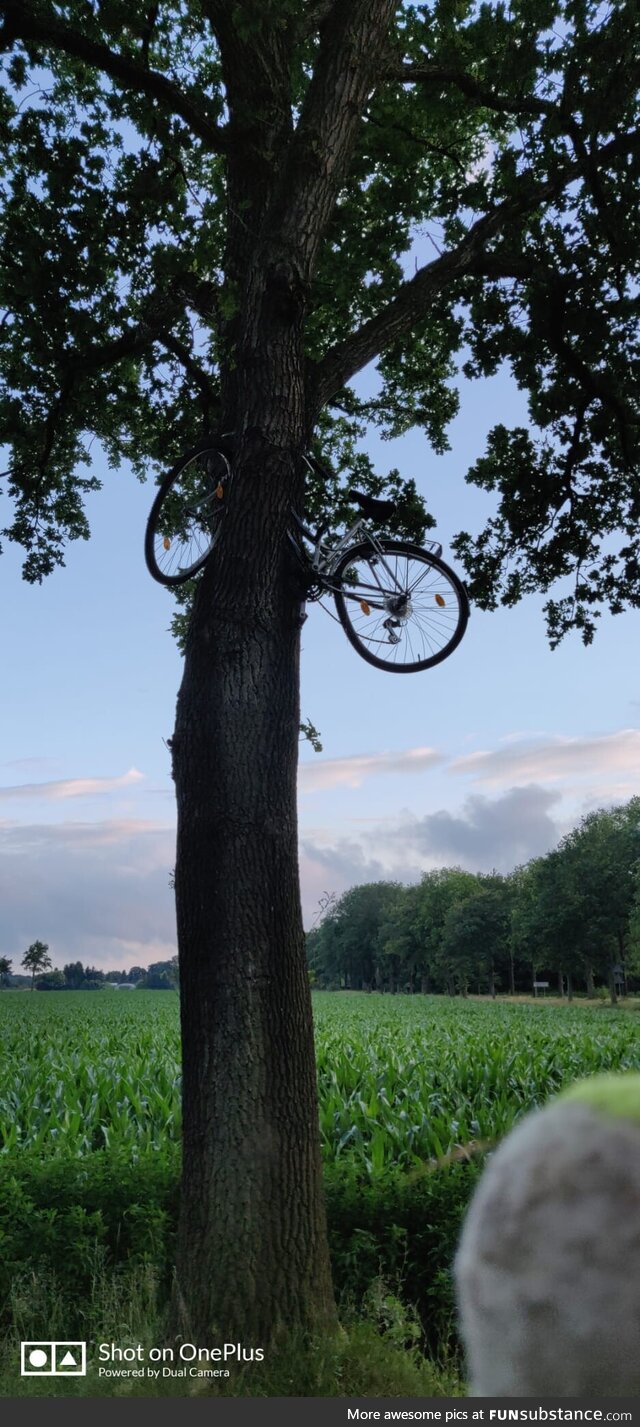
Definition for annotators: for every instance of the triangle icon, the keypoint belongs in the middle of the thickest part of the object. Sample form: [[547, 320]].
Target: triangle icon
[[68, 1361]]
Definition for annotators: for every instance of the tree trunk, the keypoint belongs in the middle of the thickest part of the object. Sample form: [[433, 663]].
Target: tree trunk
[[561, 984], [512, 975], [622, 950], [569, 986], [613, 993], [591, 990], [252, 1256]]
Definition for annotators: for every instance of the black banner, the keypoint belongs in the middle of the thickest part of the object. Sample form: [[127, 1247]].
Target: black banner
[[323, 1411]]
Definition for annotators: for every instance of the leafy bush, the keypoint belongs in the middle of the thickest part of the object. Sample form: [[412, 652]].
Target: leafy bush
[[66, 1217]]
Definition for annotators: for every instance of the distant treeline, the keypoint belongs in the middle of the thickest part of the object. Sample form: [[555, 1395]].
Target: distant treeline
[[571, 918], [160, 976]]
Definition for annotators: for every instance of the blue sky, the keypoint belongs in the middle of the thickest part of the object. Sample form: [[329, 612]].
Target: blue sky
[[484, 761]]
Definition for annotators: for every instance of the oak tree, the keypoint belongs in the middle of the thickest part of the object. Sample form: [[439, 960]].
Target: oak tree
[[215, 214], [35, 959]]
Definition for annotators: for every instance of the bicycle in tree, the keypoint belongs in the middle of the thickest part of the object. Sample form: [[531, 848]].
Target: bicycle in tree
[[401, 607]]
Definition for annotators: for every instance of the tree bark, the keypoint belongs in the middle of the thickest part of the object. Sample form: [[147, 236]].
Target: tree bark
[[252, 1258]]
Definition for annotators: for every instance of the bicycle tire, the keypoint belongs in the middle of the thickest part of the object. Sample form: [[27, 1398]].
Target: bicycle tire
[[449, 626], [172, 519]]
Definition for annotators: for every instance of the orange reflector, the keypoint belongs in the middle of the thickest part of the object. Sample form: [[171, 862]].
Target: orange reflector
[[167, 543], [440, 601], [220, 491], [366, 609]]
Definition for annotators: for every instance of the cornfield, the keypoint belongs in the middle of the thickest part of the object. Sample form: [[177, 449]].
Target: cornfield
[[402, 1080]]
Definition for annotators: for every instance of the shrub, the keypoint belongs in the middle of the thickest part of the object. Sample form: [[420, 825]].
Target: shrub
[[65, 1216]]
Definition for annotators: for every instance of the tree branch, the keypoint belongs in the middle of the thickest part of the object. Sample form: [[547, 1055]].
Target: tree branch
[[472, 89], [200, 378], [469, 258], [31, 27], [327, 130], [131, 343]]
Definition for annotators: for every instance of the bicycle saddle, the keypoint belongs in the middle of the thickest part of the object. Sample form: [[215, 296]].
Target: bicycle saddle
[[376, 509]]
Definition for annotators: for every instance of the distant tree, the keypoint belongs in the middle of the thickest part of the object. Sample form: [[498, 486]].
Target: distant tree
[[633, 960], [156, 981], [476, 933], [74, 974], [160, 976], [5, 970], [93, 973], [35, 959], [402, 941], [51, 981], [601, 855], [573, 909], [438, 891], [349, 945]]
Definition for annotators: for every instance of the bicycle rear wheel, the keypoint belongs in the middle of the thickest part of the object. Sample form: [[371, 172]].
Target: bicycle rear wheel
[[404, 609], [185, 517]]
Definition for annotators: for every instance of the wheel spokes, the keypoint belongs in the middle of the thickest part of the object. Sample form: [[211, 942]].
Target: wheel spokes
[[188, 519], [402, 633]]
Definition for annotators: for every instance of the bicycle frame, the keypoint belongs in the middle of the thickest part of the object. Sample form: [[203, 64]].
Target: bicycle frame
[[323, 562]]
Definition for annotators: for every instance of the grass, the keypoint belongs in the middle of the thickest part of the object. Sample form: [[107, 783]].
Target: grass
[[373, 1355]]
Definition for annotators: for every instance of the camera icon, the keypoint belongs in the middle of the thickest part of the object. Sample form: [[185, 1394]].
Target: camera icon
[[53, 1359]]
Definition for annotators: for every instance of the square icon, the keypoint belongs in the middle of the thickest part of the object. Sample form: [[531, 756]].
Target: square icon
[[53, 1359]]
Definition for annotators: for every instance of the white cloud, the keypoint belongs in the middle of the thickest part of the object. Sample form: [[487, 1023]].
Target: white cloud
[[556, 759], [71, 787], [354, 770]]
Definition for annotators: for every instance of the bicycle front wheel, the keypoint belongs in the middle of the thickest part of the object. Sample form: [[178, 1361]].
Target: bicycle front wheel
[[402, 608], [185, 516]]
